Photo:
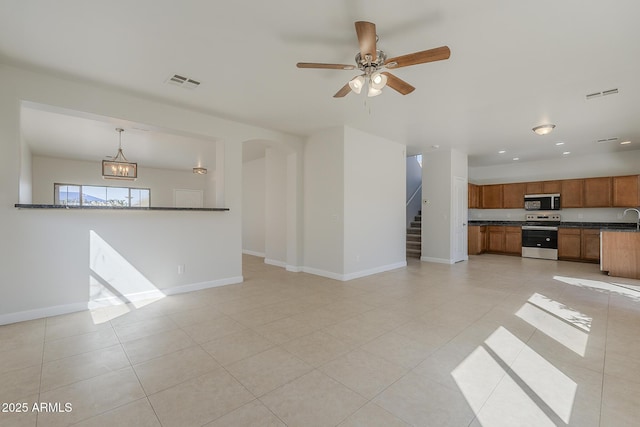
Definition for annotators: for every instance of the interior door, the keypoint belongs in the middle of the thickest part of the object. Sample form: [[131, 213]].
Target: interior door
[[459, 219]]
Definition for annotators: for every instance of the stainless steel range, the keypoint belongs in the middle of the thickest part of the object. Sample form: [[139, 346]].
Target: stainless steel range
[[540, 235]]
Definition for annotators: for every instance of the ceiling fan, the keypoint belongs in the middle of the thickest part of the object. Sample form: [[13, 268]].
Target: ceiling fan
[[370, 61]]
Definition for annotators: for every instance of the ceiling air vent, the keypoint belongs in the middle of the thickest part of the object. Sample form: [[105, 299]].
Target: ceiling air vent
[[182, 81], [603, 93], [606, 140]]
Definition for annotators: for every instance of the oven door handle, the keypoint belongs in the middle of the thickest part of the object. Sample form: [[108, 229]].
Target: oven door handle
[[539, 227]]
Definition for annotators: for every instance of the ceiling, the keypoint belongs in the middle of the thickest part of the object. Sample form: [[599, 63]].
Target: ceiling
[[513, 65]]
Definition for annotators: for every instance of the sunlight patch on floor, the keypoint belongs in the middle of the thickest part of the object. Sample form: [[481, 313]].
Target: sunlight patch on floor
[[629, 291], [115, 284], [565, 333]]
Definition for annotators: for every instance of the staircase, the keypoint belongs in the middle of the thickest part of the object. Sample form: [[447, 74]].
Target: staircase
[[414, 237]]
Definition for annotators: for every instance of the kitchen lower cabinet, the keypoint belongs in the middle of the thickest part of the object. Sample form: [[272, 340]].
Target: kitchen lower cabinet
[[495, 238], [569, 243], [575, 244], [504, 239], [477, 237], [590, 245], [513, 240]]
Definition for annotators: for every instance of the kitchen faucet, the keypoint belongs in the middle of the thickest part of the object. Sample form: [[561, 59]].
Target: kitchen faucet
[[636, 211]]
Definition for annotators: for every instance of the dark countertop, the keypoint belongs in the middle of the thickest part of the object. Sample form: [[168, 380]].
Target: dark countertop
[[607, 226], [116, 208]]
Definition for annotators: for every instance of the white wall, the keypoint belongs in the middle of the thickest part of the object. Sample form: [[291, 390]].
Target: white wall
[[324, 203], [253, 207], [162, 182], [354, 204], [276, 207], [45, 269], [26, 175], [438, 230], [605, 164], [374, 204]]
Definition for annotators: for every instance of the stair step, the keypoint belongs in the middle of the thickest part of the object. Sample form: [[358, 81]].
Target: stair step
[[414, 230], [414, 244], [416, 224], [413, 253], [418, 218]]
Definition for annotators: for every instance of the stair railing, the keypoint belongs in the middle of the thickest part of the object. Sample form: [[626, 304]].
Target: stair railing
[[414, 194]]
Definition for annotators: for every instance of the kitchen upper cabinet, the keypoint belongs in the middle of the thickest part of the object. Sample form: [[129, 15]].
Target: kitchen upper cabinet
[[492, 196], [474, 196], [513, 240], [569, 243], [552, 187], [571, 192], [513, 195], [597, 192], [533, 188], [590, 245], [626, 191]]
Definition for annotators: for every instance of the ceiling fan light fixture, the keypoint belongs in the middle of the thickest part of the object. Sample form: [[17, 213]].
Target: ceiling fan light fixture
[[373, 91], [544, 129], [378, 80], [356, 84]]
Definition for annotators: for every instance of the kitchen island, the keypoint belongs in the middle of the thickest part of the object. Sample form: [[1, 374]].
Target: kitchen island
[[620, 253]]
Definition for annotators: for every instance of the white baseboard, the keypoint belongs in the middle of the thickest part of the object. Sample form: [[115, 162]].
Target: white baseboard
[[57, 310], [254, 253], [375, 270], [438, 260], [322, 273], [202, 285], [293, 268], [275, 262], [357, 274], [39, 313]]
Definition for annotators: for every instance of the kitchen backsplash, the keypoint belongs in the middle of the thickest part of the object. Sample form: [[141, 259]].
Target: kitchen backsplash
[[568, 215]]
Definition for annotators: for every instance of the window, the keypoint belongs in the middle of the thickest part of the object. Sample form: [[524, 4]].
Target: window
[[96, 195]]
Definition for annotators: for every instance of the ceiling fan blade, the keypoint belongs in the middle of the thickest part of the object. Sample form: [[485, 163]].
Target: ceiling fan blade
[[437, 54], [398, 84], [366, 32], [327, 66], [343, 91]]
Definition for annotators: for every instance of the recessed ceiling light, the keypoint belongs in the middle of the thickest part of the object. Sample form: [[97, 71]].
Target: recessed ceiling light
[[625, 142], [566, 152], [516, 158], [543, 129], [502, 151], [559, 143], [435, 146]]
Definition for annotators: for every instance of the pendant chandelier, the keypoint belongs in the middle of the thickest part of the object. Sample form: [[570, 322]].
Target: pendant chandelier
[[119, 167]]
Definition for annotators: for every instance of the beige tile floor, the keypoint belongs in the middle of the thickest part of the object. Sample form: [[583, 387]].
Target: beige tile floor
[[495, 341]]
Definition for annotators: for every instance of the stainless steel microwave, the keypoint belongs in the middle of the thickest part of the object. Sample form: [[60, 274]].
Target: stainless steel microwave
[[542, 202]]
